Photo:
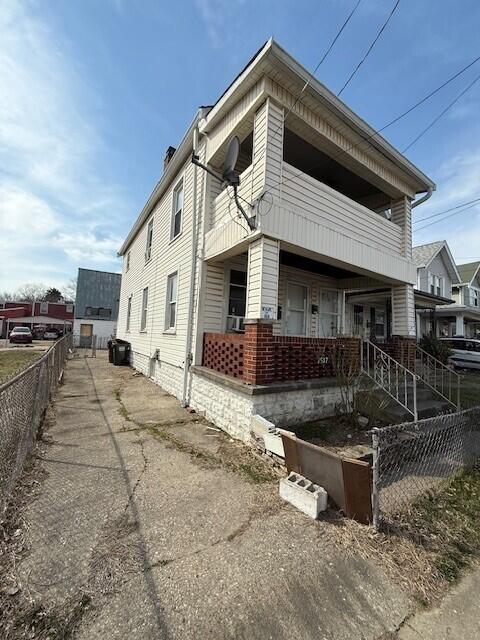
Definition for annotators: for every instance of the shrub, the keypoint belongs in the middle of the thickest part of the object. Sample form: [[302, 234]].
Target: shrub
[[439, 349]]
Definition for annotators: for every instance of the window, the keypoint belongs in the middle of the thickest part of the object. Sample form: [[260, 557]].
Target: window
[[474, 297], [435, 284], [127, 265], [177, 210], [237, 300], [148, 249], [43, 308], [143, 320], [69, 308], [171, 306], [296, 309], [104, 313], [328, 317], [129, 312]]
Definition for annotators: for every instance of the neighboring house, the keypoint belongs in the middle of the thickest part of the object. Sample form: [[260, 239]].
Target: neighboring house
[[44, 315], [96, 304], [235, 321], [463, 316], [437, 273]]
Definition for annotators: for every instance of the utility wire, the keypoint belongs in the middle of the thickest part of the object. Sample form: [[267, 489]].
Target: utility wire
[[369, 48], [389, 124], [440, 213], [442, 113], [322, 60], [455, 213]]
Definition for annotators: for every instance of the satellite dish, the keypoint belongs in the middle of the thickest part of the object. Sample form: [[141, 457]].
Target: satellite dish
[[231, 158]]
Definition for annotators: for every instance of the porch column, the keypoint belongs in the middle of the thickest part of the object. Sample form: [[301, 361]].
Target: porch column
[[403, 311], [262, 279], [459, 325], [402, 215], [403, 341], [267, 157]]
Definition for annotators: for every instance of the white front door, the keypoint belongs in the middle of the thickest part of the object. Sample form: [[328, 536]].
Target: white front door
[[296, 309]]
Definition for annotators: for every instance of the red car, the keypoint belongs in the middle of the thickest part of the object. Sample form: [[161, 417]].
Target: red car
[[21, 335]]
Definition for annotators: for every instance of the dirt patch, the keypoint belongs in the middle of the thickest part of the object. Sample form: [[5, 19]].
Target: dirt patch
[[333, 433]]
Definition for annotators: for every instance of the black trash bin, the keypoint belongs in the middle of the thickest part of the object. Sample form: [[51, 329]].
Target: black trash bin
[[121, 352]]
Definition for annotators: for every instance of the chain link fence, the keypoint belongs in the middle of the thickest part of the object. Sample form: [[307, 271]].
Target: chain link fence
[[23, 402], [412, 458]]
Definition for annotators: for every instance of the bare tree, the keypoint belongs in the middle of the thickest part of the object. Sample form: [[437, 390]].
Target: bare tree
[[30, 292], [69, 290], [5, 296]]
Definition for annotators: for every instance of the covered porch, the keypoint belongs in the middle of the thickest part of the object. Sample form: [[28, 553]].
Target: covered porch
[[275, 313]]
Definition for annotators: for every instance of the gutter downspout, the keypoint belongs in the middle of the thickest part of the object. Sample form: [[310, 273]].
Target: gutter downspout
[[424, 198], [188, 344]]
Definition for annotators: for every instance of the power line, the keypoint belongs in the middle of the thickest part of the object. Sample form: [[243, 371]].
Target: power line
[[322, 60], [386, 126], [439, 213], [420, 135], [429, 224], [370, 48]]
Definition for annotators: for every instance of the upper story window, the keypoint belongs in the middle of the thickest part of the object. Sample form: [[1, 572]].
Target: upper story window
[[98, 312], [69, 308], [177, 210], [44, 308], [143, 319], [127, 260], [474, 297], [148, 248], [237, 300], [129, 311], [435, 284], [171, 306]]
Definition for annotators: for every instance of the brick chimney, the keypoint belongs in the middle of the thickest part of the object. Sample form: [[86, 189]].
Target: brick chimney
[[168, 156]]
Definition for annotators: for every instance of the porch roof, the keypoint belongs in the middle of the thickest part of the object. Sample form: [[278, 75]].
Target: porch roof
[[423, 299]]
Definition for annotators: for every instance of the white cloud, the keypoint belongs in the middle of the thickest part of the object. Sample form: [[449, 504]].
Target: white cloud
[[220, 19], [51, 182], [459, 181]]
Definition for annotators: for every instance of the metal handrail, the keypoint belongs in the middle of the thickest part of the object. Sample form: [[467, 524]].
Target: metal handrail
[[392, 377], [432, 373]]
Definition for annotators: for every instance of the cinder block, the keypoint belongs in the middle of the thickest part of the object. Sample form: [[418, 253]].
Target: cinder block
[[273, 443], [261, 426], [306, 496]]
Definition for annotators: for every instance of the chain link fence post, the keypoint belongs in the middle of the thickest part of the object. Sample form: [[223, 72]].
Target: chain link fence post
[[375, 479]]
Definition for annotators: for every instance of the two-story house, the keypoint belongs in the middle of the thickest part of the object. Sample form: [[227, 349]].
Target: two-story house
[[238, 318], [437, 275], [464, 315]]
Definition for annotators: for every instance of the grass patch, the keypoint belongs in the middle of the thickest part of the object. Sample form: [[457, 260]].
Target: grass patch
[[13, 361], [445, 523], [470, 390]]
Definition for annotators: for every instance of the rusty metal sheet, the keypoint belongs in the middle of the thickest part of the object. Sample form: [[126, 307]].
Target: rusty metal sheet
[[358, 490], [317, 464]]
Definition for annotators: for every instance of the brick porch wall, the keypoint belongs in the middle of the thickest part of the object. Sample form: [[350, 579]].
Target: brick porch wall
[[402, 349], [258, 357]]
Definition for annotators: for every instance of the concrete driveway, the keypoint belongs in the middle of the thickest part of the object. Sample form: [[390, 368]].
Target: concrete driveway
[[151, 524]]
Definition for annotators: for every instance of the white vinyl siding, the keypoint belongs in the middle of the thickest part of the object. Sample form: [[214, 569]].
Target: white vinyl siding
[[171, 304], [144, 310], [177, 208]]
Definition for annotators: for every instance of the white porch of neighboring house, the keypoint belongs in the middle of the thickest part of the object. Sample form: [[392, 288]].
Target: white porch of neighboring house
[[458, 320]]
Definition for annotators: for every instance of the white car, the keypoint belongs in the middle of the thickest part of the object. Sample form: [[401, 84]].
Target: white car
[[50, 334], [465, 352]]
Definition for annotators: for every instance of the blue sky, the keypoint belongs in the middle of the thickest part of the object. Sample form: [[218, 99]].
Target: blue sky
[[92, 93]]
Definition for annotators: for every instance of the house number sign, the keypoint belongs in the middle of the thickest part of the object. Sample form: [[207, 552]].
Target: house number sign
[[323, 360]]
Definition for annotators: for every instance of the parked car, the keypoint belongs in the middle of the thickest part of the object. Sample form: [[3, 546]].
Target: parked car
[[50, 334], [21, 335], [465, 352]]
